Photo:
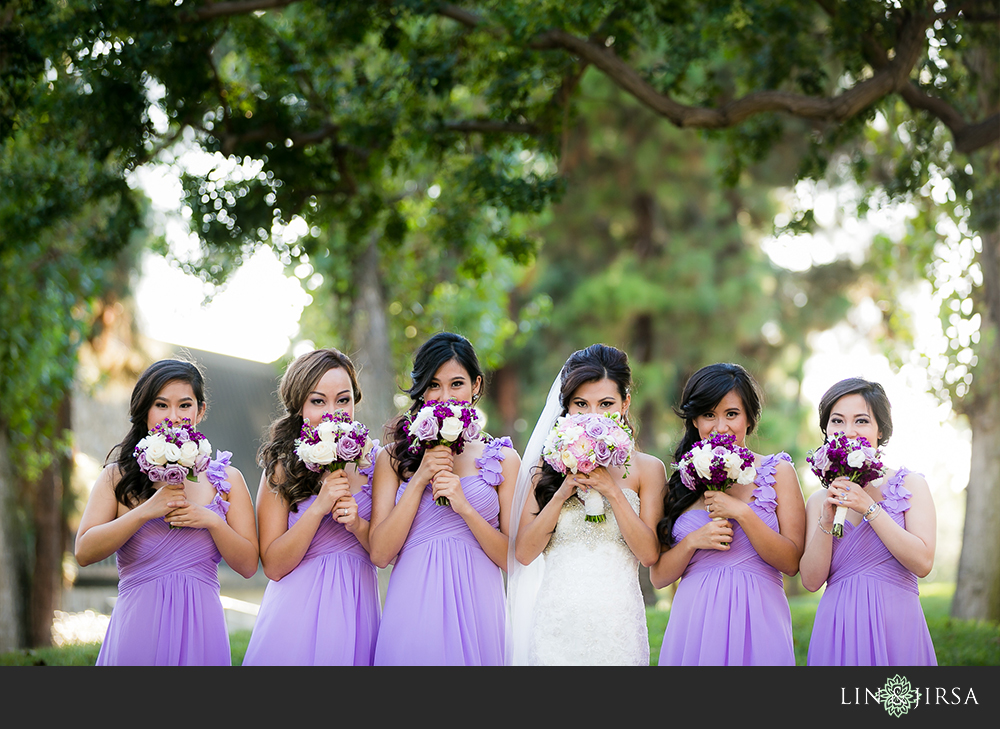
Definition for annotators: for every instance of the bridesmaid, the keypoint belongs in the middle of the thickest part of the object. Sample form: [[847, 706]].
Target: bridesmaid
[[445, 601], [869, 614], [169, 612], [730, 607], [321, 607]]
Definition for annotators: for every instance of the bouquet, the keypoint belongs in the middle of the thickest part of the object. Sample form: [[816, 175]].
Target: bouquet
[[851, 457], [716, 463], [452, 423], [333, 443], [582, 442], [172, 453]]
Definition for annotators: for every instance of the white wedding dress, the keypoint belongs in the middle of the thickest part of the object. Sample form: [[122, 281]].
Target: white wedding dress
[[589, 609]]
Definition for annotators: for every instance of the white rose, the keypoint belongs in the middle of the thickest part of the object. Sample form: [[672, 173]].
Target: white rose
[[156, 449], [172, 452], [323, 452], [189, 454], [855, 459], [569, 460], [702, 460], [327, 430], [747, 475], [451, 428], [204, 447], [734, 465]]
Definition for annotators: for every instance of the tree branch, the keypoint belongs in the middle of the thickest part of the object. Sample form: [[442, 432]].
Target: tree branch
[[890, 76]]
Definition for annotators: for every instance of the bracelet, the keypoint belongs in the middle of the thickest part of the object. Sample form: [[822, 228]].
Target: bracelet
[[825, 531], [876, 509]]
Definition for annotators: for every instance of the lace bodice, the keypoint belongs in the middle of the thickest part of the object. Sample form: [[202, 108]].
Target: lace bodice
[[589, 609]]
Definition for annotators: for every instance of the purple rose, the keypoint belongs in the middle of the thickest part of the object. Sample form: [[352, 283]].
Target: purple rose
[[174, 474], [348, 450], [144, 464], [157, 474], [595, 427], [472, 431], [425, 428], [602, 454]]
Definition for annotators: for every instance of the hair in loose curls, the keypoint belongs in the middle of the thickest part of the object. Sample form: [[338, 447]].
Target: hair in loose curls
[[874, 395], [702, 392], [596, 362], [294, 482], [134, 486], [441, 348]]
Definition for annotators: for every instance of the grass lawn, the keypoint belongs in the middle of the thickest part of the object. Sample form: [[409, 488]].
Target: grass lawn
[[957, 642]]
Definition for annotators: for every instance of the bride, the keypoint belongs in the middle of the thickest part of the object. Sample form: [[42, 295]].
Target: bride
[[573, 585]]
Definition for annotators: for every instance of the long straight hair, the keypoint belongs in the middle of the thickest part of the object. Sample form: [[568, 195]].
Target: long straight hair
[[134, 486], [441, 348], [702, 392]]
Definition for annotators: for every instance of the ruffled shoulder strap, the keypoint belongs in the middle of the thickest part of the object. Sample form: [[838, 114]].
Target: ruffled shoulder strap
[[765, 497], [369, 470], [216, 473], [895, 496], [490, 462]]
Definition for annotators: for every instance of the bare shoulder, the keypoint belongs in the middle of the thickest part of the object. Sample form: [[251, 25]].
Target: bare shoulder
[[649, 464], [915, 483], [785, 470]]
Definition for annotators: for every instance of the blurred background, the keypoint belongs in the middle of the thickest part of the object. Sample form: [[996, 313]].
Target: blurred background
[[238, 183]]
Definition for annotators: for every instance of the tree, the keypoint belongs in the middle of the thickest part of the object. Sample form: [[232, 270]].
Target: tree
[[327, 105]]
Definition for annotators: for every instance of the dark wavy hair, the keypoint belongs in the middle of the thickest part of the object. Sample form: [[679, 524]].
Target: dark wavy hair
[[441, 348], [702, 392], [134, 486], [874, 395], [596, 362], [297, 483]]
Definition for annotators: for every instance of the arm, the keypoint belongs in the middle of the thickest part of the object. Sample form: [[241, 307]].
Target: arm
[[913, 545], [782, 549], [102, 532], [535, 530], [391, 521], [815, 563], [672, 563], [638, 530], [281, 548], [235, 535], [493, 541], [352, 520]]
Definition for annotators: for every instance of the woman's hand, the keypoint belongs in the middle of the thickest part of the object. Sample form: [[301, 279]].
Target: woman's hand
[[721, 505], [345, 511], [187, 514], [434, 461], [165, 500], [449, 485], [335, 487], [600, 480], [844, 492], [714, 535]]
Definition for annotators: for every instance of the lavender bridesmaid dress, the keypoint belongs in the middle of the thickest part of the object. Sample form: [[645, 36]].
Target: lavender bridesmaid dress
[[325, 612], [730, 607], [445, 602], [870, 612], [168, 611]]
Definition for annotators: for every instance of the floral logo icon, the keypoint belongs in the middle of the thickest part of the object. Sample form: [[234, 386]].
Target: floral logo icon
[[897, 696]]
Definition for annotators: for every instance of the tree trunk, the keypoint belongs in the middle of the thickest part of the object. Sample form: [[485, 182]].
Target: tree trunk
[[12, 632], [977, 592], [372, 353], [49, 541]]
